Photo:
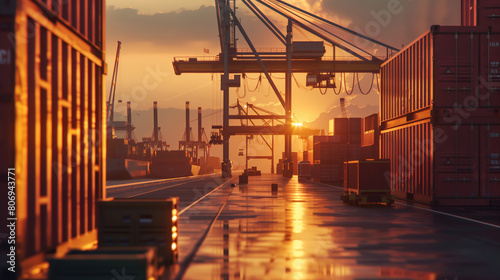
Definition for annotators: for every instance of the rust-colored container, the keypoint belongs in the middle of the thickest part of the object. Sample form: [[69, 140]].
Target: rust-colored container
[[370, 131], [52, 108], [346, 130], [330, 153], [327, 173], [480, 13], [444, 164], [367, 175], [446, 67], [370, 152]]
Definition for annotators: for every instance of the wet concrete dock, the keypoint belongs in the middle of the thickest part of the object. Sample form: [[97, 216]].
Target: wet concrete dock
[[303, 231]]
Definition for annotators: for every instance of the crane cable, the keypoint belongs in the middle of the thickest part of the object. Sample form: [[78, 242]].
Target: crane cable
[[378, 84], [340, 89], [359, 85], [345, 85]]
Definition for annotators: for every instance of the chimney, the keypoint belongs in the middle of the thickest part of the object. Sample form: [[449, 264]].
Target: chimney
[[129, 121], [155, 121], [187, 122], [199, 124]]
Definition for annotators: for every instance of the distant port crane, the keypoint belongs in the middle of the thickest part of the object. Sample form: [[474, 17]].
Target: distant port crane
[[297, 57]]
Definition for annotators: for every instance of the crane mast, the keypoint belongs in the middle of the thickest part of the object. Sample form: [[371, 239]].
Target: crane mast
[[111, 100]]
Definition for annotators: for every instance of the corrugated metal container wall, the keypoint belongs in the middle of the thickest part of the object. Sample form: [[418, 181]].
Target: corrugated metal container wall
[[58, 121], [445, 164], [444, 67], [370, 131], [480, 12], [367, 175]]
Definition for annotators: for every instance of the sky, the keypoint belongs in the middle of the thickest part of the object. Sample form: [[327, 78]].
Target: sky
[[153, 32]]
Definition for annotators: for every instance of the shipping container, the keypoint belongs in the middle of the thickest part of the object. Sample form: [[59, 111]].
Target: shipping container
[[447, 67], [304, 170], [53, 121], [442, 164], [328, 173], [367, 181], [141, 264], [140, 222], [370, 152], [481, 13], [370, 131], [330, 153], [345, 130]]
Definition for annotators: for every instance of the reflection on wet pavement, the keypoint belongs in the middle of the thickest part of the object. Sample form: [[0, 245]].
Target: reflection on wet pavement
[[303, 231]]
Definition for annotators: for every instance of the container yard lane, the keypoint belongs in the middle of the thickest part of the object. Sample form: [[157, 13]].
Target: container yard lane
[[302, 230]]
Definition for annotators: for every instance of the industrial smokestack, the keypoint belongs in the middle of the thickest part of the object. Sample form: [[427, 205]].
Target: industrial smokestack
[[199, 124], [155, 121], [187, 122], [129, 121]]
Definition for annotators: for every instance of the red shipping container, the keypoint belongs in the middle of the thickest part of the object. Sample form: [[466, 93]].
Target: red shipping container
[[371, 175], [480, 12], [370, 152], [444, 164], [327, 173], [446, 67], [323, 138], [370, 131], [330, 153]]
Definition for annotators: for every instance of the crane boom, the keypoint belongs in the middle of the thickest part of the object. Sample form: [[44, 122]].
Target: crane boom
[[111, 99]]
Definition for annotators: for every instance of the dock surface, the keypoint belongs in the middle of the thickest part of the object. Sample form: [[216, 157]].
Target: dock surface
[[304, 231]]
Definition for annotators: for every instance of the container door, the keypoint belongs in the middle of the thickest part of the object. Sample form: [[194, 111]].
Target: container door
[[490, 161], [490, 71], [456, 159], [456, 68]]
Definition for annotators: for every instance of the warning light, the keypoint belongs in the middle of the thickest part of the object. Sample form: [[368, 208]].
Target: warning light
[[174, 246], [174, 229], [174, 235]]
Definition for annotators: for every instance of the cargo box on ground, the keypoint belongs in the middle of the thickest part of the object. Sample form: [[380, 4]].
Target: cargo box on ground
[[140, 222], [329, 153], [366, 181], [328, 174], [138, 263]]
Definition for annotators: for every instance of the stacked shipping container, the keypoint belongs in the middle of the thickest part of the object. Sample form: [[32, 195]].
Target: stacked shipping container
[[51, 106], [480, 12], [328, 153], [370, 136], [440, 118]]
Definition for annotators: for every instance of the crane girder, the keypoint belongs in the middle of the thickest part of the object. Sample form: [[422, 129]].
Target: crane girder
[[269, 130], [192, 65]]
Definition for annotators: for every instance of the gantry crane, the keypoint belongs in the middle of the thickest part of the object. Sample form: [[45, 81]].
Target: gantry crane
[[297, 57], [111, 100]]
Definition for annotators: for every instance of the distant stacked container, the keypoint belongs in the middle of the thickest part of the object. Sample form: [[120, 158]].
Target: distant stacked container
[[328, 153], [440, 121], [370, 135]]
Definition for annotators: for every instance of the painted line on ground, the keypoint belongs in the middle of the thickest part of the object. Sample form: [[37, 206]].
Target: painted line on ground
[[430, 210], [192, 204], [189, 258], [112, 187], [167, 187], [451, 215]]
